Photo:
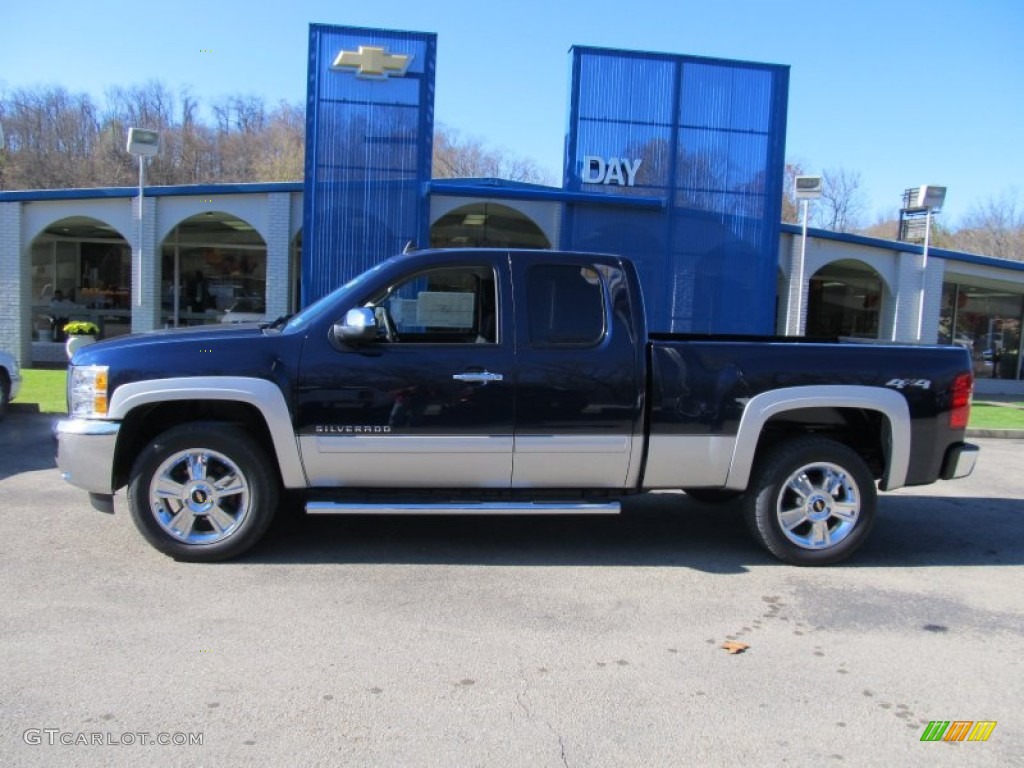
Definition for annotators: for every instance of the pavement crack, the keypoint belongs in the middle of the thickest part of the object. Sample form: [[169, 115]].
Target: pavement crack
[[525, 689], [519, 701]]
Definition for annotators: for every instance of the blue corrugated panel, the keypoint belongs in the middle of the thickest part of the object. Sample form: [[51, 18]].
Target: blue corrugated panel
[[369, 134], [710, 135]]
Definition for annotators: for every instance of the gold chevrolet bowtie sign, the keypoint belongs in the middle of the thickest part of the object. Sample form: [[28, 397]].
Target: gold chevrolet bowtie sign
[[373, 63]]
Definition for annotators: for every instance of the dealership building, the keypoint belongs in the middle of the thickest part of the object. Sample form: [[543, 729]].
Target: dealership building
[[674, 161]]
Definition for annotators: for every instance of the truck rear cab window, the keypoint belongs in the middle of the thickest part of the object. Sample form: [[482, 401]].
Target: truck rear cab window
[[566, 306], [447, 305]]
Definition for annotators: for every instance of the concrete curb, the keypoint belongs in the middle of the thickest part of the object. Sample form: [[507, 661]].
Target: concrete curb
[[1009, 434]]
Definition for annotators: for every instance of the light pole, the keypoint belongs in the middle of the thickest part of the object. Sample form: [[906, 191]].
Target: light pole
[[143, 144], [930, 198], [805, 189]]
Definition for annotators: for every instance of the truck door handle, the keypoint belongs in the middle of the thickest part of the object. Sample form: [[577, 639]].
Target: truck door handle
[[481, 377]]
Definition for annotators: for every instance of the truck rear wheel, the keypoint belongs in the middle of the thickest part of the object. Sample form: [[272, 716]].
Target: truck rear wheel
[[203, 492], [811, 501]]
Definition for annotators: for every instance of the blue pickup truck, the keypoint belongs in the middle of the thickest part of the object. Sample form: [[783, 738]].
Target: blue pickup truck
[[503, 382]]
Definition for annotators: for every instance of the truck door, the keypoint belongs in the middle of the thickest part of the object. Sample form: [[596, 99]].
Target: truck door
[[579, 397], [430, 404]]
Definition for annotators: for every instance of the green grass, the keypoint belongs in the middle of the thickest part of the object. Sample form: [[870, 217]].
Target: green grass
[[985, 416], [44, 388]]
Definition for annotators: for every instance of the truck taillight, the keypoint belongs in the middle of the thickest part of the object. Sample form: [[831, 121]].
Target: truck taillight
[[960, 413]]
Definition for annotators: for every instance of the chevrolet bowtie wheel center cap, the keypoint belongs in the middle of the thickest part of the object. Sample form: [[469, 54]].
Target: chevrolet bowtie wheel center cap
[[200, 498], [818, 508]]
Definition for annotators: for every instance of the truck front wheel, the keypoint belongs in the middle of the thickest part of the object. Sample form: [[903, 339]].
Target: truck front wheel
[[811, 501], [203, 492]]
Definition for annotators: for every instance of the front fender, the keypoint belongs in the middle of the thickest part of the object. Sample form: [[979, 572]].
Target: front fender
[[260, 393]]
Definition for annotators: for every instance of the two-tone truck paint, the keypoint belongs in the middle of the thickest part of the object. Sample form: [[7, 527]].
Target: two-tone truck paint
[[503, 382]]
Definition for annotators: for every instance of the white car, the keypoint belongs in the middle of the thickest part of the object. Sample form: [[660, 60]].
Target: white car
[[247, 310], [10, 381]]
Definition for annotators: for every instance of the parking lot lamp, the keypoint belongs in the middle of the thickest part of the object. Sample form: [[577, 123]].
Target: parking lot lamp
[[930, 198], [805, 189]]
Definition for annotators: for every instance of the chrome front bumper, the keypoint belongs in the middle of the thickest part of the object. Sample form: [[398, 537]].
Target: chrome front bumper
[[85, 453]]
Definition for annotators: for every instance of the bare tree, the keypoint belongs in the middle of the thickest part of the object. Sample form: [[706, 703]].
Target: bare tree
[[994, 227], [886, 227], [152, 106], [842, 201], [49, 136], [283, 142], [790, 205], [458, 157], [195, 148], [58, 139]]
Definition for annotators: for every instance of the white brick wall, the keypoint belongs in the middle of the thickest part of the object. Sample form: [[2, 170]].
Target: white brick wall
[[145, 275], [901, 271], [278, 216], [796, 296], [15, 286], [933, 301], [278, 240], [908, 287]]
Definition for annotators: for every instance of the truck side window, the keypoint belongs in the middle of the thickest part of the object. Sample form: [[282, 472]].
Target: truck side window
[[566, 305], [448, 305]]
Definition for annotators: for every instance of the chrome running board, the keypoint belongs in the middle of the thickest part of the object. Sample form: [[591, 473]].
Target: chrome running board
[[466, 508]]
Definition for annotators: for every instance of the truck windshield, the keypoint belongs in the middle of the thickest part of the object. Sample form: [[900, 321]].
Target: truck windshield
[[323, 305]]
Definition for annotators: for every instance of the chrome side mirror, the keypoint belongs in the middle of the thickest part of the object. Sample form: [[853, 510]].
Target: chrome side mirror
[[359, 325]]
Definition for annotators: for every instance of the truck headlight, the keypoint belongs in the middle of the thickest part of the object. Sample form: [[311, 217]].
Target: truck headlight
[[87, 391]]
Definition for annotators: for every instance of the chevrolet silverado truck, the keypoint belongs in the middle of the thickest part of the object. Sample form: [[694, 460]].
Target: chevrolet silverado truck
[[503, 382]]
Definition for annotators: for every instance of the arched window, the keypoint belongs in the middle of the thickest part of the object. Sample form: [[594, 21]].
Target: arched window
[[486, 225], [81, 270], [844, 299], [220, 264]]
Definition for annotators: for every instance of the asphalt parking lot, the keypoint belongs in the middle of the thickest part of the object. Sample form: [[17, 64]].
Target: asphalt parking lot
[[523, 641]]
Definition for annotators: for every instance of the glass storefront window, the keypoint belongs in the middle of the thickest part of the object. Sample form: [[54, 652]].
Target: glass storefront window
[[106, 274], [77, 279], [986, 322], [214, 281], [221, 270]]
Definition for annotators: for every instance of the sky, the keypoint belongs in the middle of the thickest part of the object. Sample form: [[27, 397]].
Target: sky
[[903, 93]]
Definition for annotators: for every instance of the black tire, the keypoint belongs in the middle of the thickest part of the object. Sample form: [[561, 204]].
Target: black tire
[[712, 495], [219, 514], [828, 519]]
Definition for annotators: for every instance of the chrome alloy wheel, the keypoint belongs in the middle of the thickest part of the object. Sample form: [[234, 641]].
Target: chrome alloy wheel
[[818, 506], [199, 496]]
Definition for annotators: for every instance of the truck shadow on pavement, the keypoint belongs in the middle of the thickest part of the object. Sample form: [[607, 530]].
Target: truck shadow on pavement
[[690, 536], [26, 443], [913, 530], [662, 530]]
